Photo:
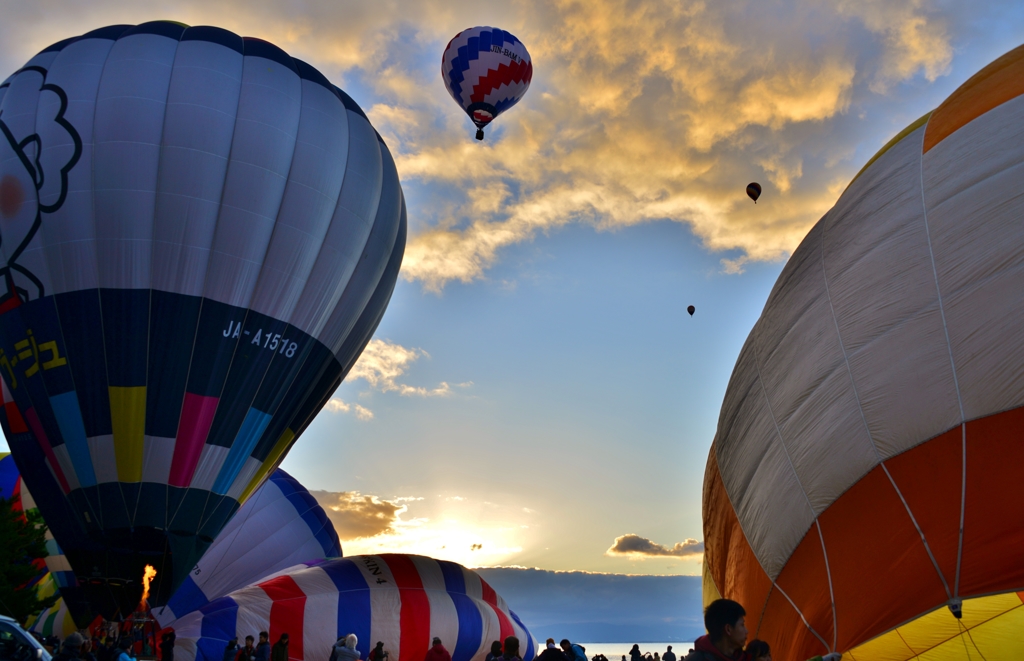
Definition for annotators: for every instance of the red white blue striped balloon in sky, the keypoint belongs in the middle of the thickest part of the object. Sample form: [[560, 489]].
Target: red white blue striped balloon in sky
[[486, 70], [400, 600]]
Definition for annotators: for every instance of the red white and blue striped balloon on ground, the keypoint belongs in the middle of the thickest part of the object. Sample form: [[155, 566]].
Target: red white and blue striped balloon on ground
[[487, 71], [400, 600]]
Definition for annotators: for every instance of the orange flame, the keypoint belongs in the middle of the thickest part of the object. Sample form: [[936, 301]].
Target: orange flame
[[147, 577]]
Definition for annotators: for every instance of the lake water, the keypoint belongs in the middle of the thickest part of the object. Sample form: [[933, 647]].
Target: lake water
[[614, 651]]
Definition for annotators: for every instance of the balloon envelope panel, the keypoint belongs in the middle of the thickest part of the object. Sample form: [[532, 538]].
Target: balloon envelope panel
[[874, 416], [200, 234], [280, 526], [401, 600]]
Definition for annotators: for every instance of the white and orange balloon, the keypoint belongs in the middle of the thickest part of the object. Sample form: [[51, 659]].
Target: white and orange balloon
[[862, 493]]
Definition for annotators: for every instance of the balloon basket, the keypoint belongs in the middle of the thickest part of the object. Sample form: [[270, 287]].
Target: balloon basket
[[479, 134]]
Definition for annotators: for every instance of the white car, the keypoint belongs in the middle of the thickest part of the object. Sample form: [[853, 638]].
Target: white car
[[16, 644]]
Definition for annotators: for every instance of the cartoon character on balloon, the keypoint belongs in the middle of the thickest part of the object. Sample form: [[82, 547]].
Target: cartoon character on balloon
[[38, 151]]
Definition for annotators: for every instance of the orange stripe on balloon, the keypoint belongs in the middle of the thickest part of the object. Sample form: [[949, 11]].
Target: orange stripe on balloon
[[993, 86], [994, 516], [731, 562]]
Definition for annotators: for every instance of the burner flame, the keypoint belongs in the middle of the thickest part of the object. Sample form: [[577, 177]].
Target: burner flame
[[147, 577]]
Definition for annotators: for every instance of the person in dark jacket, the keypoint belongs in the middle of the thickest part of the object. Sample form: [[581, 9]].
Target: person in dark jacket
[[669, 655], [635, 654], [262, 647], [495, 650], [71, 649], [377, 653], [727, 632], [551, 652], [280, 651], [231, 650], [437, 652], [248, 652], [167, 646], [511, 649]]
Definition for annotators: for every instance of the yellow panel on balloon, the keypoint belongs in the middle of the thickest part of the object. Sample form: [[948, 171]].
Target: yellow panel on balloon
[[128, 419]]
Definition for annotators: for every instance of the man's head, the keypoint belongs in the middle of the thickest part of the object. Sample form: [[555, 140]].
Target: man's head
[[74, 641], [566, 645], [283, 639], [248, 640], [436, 641], [511, 646], [724, 620], [264, 636]]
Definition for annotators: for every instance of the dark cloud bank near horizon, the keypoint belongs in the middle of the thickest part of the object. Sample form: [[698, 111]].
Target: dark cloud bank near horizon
[[605, 608]]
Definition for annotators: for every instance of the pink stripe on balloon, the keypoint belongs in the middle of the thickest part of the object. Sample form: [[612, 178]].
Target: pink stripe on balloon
[[193, 428], [44, 443]]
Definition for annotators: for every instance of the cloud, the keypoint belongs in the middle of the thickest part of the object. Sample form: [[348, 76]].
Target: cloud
[[639, 112], [336, 405], [382, 363], [635, 545], [355, 515]]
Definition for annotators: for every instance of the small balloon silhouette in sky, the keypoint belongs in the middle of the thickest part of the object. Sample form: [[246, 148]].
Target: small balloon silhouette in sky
[[691, 310], [754, 191]]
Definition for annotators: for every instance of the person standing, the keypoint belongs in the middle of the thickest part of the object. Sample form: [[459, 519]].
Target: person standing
[[552, 653], [511, 651], [345, 649], [167, 646], [573, 652], [262, 647], [669, 655], [248, 652], [124, 647], [280, 651], [377, 653], [71, 649], [437, 652], [231, 650], [635, 654]]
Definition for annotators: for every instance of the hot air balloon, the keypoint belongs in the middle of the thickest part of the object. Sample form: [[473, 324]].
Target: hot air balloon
[[861, 494], [754, 191], [691, 309], [199, 235], [487, 71], [279, 527], [401, 600]]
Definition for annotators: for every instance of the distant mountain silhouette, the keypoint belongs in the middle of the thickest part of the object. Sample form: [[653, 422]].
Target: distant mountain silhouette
[[609, 608]]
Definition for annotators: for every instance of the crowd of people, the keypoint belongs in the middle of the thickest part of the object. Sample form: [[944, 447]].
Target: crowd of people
[[77, 647], [724, 619]]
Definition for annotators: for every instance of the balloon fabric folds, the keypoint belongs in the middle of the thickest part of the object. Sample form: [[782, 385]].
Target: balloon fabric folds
[[279, 527], [861, 494], [199, 235], [401, 600], [487, 71]]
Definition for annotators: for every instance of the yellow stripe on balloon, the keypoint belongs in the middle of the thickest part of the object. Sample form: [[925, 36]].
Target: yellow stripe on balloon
[[269, 464], [128, 419]]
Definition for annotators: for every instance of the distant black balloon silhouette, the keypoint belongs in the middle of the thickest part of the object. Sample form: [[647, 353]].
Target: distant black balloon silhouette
[[691, 310], [754, 191]]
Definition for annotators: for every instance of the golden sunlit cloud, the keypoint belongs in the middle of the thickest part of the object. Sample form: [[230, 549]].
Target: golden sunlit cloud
[[447, 528], [639, 112], [641, 547], [337, 405], [382, 363]]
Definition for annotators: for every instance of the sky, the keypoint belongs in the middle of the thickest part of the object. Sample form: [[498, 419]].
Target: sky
[[536, 394]]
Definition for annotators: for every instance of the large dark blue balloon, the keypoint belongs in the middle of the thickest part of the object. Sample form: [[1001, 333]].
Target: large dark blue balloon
[[199, 235]]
